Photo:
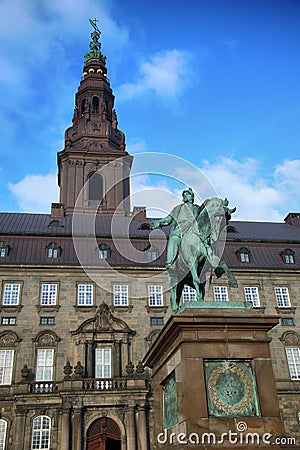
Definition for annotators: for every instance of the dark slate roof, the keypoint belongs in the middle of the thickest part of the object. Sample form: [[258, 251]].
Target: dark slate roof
[[28, 236]]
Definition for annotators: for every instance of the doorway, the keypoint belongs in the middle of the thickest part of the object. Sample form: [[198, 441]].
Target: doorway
[[104, 434]]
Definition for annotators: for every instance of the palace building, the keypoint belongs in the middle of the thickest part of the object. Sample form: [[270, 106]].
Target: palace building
[[84, 295]]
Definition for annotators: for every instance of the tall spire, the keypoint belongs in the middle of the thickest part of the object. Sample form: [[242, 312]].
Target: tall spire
[[95, 45]]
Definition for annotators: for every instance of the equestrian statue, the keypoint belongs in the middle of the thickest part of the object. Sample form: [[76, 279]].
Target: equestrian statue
[[193, 248]]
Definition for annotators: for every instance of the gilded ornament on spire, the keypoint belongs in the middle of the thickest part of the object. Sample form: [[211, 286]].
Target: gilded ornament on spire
[[95, 45]]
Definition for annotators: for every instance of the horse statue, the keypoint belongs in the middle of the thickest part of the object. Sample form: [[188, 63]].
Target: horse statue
[[198, 251]]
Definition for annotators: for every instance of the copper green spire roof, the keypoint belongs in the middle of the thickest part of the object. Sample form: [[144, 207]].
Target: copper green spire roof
[[95, 45]]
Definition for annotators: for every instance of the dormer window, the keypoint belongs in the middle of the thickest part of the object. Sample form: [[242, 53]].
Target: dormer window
[[4, 250], [244, 255], [152, 253], [231, 229], [288, 256], [55, 223], [104, 251], [53, 250], [145, 227]]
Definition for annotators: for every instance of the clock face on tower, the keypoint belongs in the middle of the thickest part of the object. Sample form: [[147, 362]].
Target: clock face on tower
[[231, 388]]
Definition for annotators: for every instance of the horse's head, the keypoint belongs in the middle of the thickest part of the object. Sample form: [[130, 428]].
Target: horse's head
[[217, 213]]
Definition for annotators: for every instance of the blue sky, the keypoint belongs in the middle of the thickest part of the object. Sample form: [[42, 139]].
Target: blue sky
[[216, 83]]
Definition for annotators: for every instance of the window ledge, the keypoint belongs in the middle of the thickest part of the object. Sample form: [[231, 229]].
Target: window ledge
[[159, 309], [122, 308], [12, 308], [285, 309], [48, 308], [85, 308], [260, 309]]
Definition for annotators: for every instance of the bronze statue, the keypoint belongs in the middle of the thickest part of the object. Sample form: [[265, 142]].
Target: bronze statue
[[193, 244]]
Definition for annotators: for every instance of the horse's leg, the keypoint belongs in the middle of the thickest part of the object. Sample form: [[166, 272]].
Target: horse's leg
[[196, 283], [232, 281]]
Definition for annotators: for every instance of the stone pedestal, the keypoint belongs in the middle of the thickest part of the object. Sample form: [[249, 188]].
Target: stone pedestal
[[213, 381]]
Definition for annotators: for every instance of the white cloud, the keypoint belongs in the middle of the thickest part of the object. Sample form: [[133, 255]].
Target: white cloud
[[35, 193], [165, 74], [136, 145], [257, 197]]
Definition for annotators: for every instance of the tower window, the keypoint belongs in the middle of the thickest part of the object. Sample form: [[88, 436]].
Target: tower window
[[95, 183], [95, 104], [83, 107]]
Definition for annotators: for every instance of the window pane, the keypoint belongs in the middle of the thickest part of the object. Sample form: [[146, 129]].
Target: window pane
[[293, 358], [11, 294], [121, 295], [188, 294], [48, 294], [44, 365], [85, 294], [103, 363], [6, 366], [3, 428], [251, 295], [282, 297], [41, 433], [155, 296], [220, 294]]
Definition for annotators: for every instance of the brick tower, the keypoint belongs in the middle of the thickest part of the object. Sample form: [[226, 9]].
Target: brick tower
[[94, 168]]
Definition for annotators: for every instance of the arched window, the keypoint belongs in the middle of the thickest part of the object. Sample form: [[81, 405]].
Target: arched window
[[41, 430], [231, 229], [95, 105], [288, 256], [291, 341], [145, 227], [104, 251], [244, 255], [53, 250], [95, 183], [3, 429]]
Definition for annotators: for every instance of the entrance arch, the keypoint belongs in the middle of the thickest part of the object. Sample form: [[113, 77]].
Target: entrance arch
[[104, 434]]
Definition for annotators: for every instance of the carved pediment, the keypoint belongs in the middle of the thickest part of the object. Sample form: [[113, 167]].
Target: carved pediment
[[103, 321]]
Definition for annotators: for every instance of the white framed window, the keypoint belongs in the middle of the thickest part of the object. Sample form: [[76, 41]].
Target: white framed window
[[251, 295], [220, 294], [103, 362], [6, 366], [85, 294], [289, 256], [120, 295], [3, 429], [293, 359], [53, 250], [152, 254], [188, 294], [8, 320], [155, 295], [48, 294], [282, 297], [44, 364], [11, 294], [41, 431]]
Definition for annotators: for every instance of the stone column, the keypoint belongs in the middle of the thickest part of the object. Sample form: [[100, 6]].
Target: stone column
[[142, 428], [130, 427], [65, 429], [118, 366], [20, 428], [77, 428], [89, 359]]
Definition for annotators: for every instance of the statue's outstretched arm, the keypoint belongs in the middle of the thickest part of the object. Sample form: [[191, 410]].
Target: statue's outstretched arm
[[162, 222]]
